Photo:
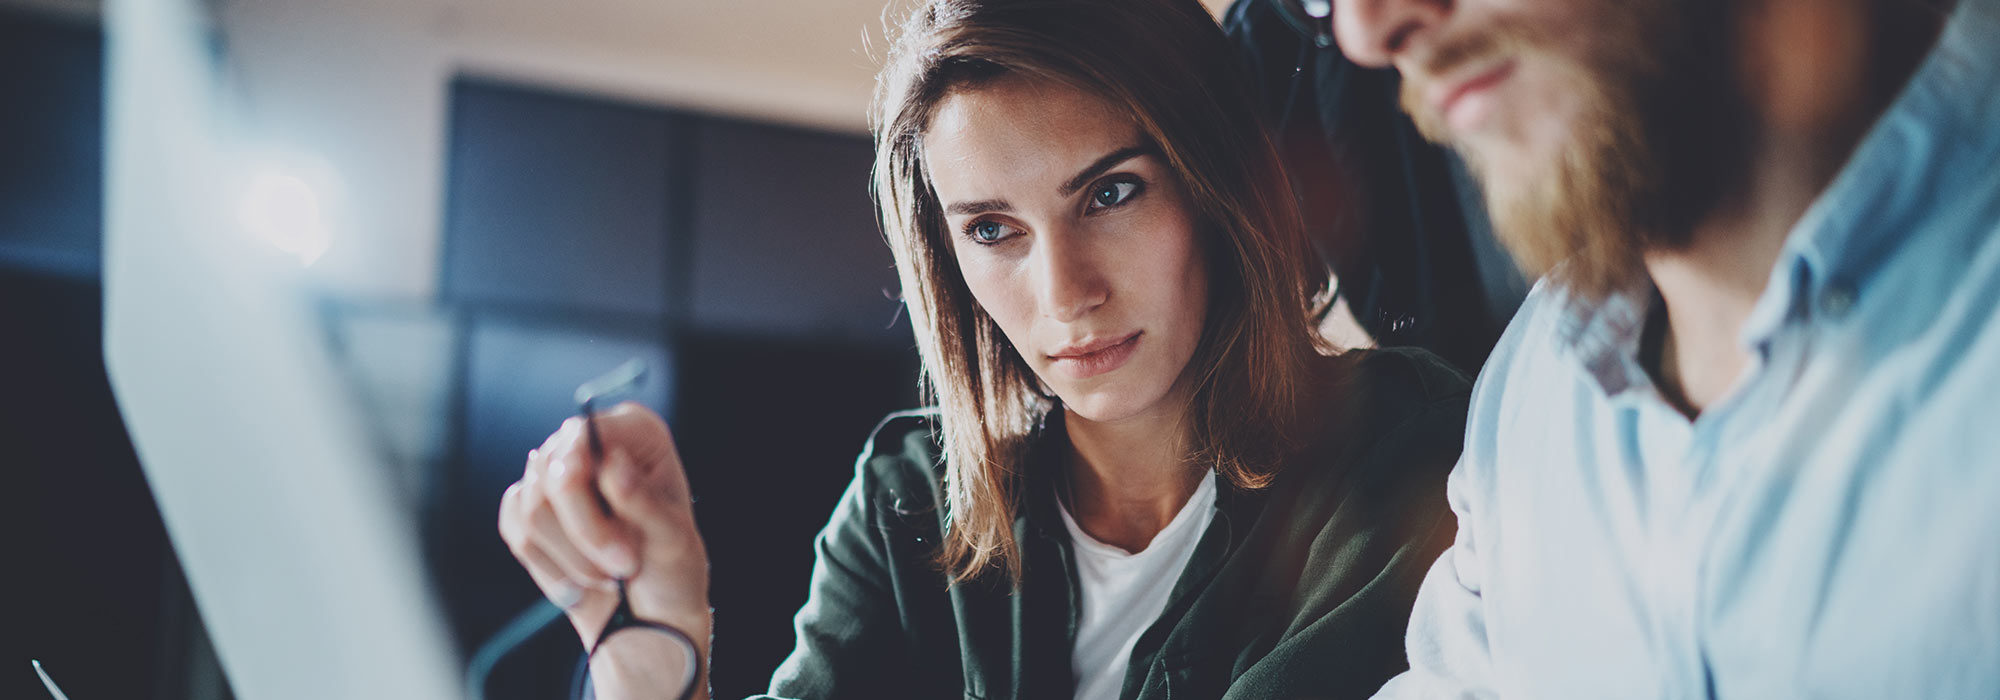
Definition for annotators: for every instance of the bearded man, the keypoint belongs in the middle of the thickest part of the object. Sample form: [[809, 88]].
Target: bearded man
[[1741, 441]]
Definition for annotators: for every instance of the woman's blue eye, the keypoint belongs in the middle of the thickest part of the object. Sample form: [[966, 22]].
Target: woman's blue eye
[[987, 231], [1112, 194]]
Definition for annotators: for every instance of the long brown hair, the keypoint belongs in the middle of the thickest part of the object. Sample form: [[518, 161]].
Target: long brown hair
[[1168, 65]]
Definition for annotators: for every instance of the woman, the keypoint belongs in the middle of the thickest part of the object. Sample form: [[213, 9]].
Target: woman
[[1141, 478]]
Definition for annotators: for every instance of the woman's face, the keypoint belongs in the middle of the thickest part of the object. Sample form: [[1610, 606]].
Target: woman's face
[[1077, 238]]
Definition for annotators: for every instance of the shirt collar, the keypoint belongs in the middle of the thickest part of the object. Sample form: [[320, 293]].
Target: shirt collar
[[1603, 335]]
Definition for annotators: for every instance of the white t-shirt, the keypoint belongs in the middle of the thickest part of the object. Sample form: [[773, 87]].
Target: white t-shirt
[[1125, 592]]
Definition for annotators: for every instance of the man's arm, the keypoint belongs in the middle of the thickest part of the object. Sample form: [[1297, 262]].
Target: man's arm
[[1447, 644]]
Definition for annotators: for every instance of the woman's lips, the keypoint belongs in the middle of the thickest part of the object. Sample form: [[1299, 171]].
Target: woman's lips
[[1095, 358]]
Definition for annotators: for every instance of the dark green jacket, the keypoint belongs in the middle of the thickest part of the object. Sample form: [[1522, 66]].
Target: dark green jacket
[[1299, 590]]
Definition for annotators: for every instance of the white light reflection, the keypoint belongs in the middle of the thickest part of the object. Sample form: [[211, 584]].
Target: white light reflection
[[283, 210]]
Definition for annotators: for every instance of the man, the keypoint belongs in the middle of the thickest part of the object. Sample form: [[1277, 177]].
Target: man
[[1740, 442]]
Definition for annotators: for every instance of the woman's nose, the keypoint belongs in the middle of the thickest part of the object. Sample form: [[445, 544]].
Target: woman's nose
[[1069, 280], [1374, 32]]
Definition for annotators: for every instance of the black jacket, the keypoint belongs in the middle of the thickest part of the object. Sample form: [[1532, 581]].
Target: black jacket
[[1300, 589]]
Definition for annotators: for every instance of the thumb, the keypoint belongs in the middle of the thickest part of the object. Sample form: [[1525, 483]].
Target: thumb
[[650, 497]]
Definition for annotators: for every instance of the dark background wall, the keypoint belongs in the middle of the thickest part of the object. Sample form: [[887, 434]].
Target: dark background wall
[[741, 259]]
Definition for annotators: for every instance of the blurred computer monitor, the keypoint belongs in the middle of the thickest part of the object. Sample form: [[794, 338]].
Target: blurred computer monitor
[[305, 568]]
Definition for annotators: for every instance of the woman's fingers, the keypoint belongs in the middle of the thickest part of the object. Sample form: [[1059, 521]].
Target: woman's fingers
[[577, 522], [555, 582], [528, 521], [561, 548], [663, 521], [657, 483], [572, 488], [548, 576], [628, 488], [645, 438]]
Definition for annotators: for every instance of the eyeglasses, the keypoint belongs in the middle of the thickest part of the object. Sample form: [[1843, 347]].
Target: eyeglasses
[[631, 658], [1316, 15]]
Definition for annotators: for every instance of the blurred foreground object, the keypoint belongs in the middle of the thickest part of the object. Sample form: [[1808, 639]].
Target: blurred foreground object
[[307, 577]]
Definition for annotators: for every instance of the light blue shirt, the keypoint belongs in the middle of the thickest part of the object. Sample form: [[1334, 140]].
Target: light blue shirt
[[1829, 529]]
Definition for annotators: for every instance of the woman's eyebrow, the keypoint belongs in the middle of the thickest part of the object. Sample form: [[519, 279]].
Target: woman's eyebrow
[[1069, 187], [983, 206], [1110, 160]]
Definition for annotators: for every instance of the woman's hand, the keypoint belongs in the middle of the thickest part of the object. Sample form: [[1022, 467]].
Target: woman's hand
[[579, 524]]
